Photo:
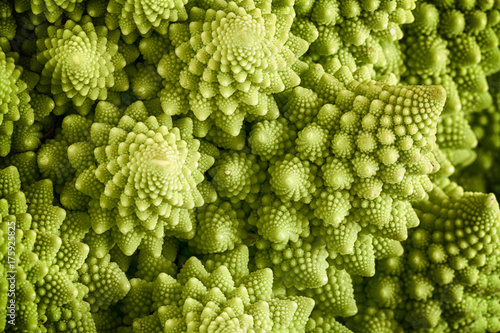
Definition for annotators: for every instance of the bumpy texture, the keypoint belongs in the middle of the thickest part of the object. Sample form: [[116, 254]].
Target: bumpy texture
[[249, 165], [10, 186], [486, 127], [8, 24], [229, 61], [277, 221], [225, 298], [145, 15], [79, 62], [448, 273], [46, 257], [237, 176], [144, 172], [15, 110], [218, 228], [457, 40], [456, 45], [381, 142], [301, 264], [52, 10], [354, 33]]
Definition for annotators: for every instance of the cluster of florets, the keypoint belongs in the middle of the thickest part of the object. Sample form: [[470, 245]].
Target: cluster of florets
[[215, 296], [449, 266], [354, 33], [457, 40], [144, 171], [228, 67], [455, 45], [48, 255], [485, 125], [363, 150], [135, 17], [79, 62], [14, 99], [248, 166]]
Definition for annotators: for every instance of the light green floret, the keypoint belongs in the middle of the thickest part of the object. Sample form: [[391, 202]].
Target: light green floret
[[52, 10], [107, 283], [225, 140], [221, 299], [42, 105], [311, 143], [302, 106], [235, 260], [237, 176], [153, 48], [9, 181], [26, 138], [15, 110], [149, 267], [448, 268], [472, 87], [145, 15], [278, 222], [270, 139], [46, 218], [145, 173], [337, 174], [462, 229], [79, 62], [385, 290], [361, 261], [53, 161], [427, 55], [456, 139], [332, 206], [218, 229], [146, 83], [229, 60], [76, 128], [301, 264], [340, 239], [336, 297], [293, 179]]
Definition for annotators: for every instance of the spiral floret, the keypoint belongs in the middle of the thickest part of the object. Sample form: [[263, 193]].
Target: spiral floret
[[146, 15], [237, 176], [292, 179], [216, 300], [79, 62], [15, 112], [448, 274], [146, 171], [52, 10], [230, 64]]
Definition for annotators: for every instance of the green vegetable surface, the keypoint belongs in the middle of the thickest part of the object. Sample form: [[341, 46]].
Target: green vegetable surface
[[249, 166]]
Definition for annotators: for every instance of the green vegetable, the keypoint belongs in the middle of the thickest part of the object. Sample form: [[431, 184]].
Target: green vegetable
[[304, 166]]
